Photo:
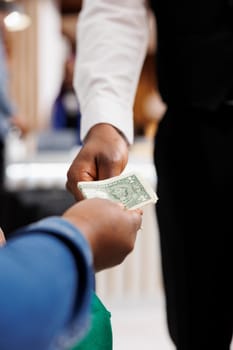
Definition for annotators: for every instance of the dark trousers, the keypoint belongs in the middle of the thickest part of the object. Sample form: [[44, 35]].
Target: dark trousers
[[194, 164]]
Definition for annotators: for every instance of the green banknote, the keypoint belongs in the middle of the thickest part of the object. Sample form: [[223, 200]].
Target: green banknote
[[130, 189]]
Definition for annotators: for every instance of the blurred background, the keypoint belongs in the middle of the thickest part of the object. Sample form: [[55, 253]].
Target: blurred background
[[39, 42]]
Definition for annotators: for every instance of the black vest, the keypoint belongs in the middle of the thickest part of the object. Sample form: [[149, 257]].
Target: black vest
[[195, 51]]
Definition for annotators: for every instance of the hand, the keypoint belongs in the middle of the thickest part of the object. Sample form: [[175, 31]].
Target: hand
[[19, 123], [109, 228], [103, 155]]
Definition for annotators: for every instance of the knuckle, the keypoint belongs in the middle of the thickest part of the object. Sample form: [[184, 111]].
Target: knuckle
[[111, 158]]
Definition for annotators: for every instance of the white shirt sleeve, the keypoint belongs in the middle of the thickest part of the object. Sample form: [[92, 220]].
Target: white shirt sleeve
[[112, 40]]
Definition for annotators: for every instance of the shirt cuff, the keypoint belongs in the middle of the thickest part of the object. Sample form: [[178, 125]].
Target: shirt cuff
[[102, 110]]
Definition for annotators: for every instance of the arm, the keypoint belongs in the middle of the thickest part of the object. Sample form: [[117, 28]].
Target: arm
[[46, 281], [112, 41], [46, 272], [112, 38]]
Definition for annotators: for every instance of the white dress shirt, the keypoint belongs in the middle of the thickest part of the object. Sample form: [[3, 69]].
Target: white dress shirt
[[112, 40]]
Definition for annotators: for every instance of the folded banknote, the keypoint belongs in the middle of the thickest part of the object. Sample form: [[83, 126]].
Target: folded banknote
[[130, 189]]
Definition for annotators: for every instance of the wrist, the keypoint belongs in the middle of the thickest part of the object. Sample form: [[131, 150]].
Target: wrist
[[101, 129]]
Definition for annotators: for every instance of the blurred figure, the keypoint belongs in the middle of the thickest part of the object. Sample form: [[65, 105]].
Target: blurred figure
[[8, 113], [6, 107], [66, 112]]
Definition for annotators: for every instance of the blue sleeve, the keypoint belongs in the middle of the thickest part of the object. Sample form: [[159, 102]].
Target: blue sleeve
[[46, 283]]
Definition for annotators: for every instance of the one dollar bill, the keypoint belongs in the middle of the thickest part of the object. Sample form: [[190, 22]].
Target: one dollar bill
[[130, 189]]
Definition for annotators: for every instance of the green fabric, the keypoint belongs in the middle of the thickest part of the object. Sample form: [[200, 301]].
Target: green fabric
[[99, 336]]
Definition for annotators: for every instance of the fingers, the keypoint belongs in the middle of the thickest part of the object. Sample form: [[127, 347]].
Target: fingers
[[139, 210], [110, 164], [72, 188], [109, 227], [112, 159], [104, 155], [82, 169], [137, 215]]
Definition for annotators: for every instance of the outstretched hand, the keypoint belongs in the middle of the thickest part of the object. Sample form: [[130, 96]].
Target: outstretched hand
[[103, 155], [109, 228]]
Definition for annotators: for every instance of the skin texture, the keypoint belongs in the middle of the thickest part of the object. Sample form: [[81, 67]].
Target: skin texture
[[110, 229], [103, 155]]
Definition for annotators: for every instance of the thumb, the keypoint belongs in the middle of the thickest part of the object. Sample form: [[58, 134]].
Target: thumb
[[136, 216]]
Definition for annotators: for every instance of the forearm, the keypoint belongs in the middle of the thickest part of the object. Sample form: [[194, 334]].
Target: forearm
[[112, 42], [42, 293]]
